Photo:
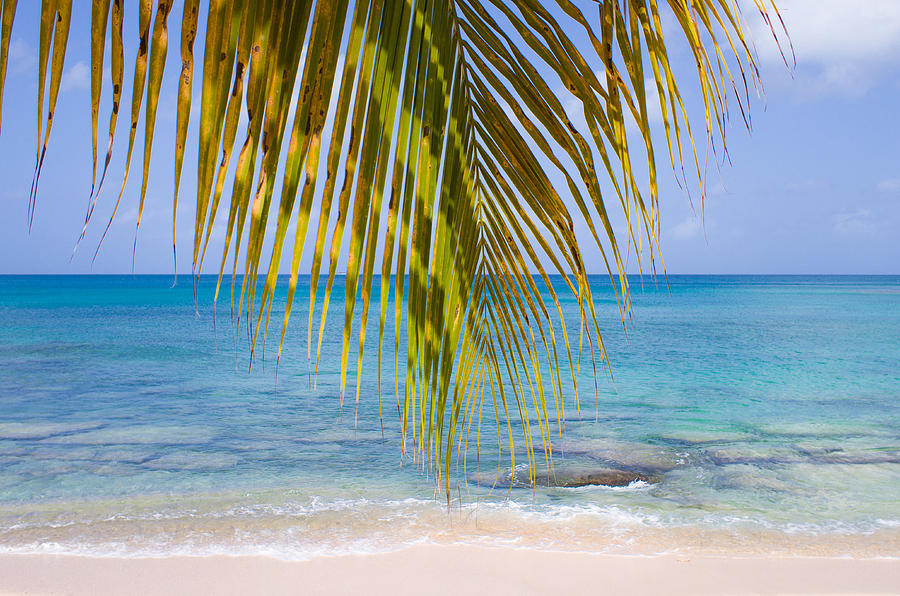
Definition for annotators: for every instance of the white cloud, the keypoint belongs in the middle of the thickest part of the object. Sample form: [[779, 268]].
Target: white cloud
[[837, 30], [654, 111], [889, 185], [716, 190], [574, 108], [575, 111], [687, 229], [854, 224], [76, 78], [21, 57], [838, 44]]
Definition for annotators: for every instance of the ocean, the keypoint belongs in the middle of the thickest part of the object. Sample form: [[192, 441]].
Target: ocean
[[762, 411]]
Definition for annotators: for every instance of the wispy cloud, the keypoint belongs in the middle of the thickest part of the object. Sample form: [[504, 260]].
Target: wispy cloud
[[21, 57], [843, 46], [687, 229], [76, 78], [855, 224], [889, 185], [810, 185]]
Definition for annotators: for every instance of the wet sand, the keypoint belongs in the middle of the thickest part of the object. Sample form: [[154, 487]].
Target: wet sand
[[448, 570]]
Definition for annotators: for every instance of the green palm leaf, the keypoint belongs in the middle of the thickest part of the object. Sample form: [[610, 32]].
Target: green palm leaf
[[452, 154]]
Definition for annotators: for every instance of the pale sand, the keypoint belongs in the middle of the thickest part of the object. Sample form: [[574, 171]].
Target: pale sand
[[447, 570]]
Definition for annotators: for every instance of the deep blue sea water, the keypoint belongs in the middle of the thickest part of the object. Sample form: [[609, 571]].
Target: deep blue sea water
[[764, 410]]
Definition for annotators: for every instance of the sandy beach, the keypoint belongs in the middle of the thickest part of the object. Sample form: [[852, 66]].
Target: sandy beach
[[447, 570]]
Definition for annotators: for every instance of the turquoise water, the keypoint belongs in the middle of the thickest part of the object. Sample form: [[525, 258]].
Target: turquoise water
[[763, 412]]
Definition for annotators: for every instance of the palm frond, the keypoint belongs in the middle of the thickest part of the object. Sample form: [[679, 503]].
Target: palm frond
[[452, 155]]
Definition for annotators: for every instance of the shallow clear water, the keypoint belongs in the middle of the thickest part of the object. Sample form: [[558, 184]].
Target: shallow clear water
[[763, 411]]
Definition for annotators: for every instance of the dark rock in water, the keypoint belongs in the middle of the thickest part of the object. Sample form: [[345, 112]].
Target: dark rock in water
[[599, 477], [564, 477]]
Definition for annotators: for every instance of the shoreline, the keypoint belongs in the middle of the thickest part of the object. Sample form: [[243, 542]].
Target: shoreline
[[455, 569]]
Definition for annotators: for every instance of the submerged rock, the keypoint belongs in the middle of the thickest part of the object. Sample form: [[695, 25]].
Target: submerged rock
[[563, 477], [754, 478], [138, 435], [763, 454], [852, 456], [41, 430], [641, 457], [193, 460], [814, 429], [702, 437], [759, 454]]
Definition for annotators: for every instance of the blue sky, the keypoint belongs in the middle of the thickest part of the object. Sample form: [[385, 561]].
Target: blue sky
[[815, 188]]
